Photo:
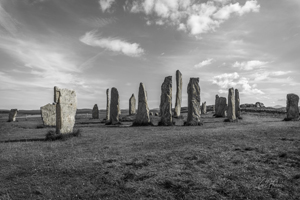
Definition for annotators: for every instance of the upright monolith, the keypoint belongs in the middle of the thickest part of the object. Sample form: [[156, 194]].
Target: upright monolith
[[142, 116], [193, 90], [221, 107], [237, 104], [216, 103], [95, 112], [203, 108], [107, 106], [178, 94], [231, 106], [48, 113], [292, 108], [166, 103], [114, 107], [132, 105], [12, 115], [66, 108]]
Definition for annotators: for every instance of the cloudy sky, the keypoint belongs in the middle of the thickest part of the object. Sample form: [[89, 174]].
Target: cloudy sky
[[92, 45]]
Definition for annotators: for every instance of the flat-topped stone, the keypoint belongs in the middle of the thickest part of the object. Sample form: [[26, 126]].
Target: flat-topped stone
[[221, 107], [132, 105], [48, 114], [95, 112], [292, 108]]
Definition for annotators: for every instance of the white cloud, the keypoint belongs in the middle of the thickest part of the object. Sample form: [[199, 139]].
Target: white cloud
[[8, 23], [105, 5], [250, 65], [116, 45], [204, 63]]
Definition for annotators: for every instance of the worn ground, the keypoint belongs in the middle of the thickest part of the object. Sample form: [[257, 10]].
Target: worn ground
[[256, 158]]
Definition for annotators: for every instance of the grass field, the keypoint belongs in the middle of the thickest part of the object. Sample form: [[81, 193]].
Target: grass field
[[256, 158]]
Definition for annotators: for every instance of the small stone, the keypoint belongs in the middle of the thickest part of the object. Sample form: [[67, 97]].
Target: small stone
[[12, 115], [95, 112], [292, 108], [132, 105], [203, 108], [221, 107], [48, 113]]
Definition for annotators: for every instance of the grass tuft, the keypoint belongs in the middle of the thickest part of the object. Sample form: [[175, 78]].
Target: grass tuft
[[52, 135]]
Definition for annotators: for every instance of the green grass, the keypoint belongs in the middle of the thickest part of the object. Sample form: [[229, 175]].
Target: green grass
[[256, 158]]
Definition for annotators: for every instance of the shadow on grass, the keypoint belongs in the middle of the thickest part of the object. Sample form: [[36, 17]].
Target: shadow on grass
[[52, 135]]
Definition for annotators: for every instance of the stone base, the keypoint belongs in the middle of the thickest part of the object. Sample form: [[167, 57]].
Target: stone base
[[193, 123], [111, 123], [166, 124], [218, 116], [178, 117], [142, 124], [290, 119], [230, 120]]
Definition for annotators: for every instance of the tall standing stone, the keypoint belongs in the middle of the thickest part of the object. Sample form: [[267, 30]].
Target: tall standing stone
[[203, 108], [193, 90], [114, 107], [292, 108], [48, 113], [166, 102], [142, 116], [178, 94], [237, 104], [231, 106], [221, 107], [107, 106], [132, 105], [95, 112], [66, 108], [56, 94], [216, 103], [12, 115]]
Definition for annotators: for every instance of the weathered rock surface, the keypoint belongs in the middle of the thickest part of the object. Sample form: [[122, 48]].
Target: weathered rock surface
[[156, 114], [203, 108], [292, 108], [66, 108], [48, 113], [132, 105], [178, 94], [107, 106], [237, 104], [12, 115], [221, 108], [231, 106], [56, 94], [216, 103], [114, 107], [142, 116], [193, 90], [166, 103], [95, 112]]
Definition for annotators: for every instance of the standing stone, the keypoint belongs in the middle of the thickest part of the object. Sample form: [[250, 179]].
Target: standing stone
[[231, 106], [193, 90], [203, 108], [237, 104], [48, 113], [166, 102], [12, 115], [132, 105], [178, 94], [95, 112], [56, 94], [142, 116], [66, 108], [221, 107], [292, 107], [114, 107], [216, 103], [107, 106]]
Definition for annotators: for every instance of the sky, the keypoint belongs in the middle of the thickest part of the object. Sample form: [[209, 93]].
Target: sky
[[92, 45]]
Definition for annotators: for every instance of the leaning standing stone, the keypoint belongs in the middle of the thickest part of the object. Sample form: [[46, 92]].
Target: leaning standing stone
[[178, 94], [95, 112], [132, 105], [114, 107], [292, 108], [12, 115], [237, 104], [166, 102], [107, 106], [231, 106], [48, 113], [193, 90], [142, 116], [66, 108], [221, 107]]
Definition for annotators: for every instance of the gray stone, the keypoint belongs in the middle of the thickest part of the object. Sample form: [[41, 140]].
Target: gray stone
[[231, 106], [12, 115], [193, 90], [237, 104], [56, 94], [95, 112], [216, 103], [107, 106], [132, 105], [151, 113], [156, 114], [221, 107], [142, 116], [178, 94], [166, 103], [114, 107], [66, 108], [203, 108], [292, 108], [48, 113]]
